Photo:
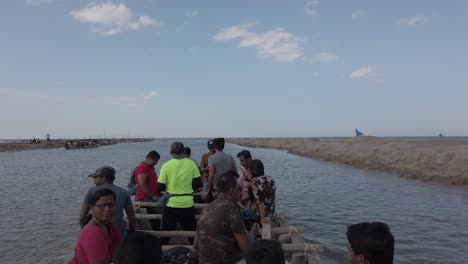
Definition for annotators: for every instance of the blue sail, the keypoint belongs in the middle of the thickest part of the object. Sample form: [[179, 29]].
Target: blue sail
[[358, 133]]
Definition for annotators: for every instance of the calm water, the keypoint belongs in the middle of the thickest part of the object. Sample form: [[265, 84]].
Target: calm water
[[41, 193]]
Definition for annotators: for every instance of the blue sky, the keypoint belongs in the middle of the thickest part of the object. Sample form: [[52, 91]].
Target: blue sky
[[233, 68]]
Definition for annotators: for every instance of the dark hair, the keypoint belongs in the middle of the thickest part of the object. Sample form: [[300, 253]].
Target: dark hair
[[110, 178], [256, 168], [265, 252], [373, 240], [187, 151], [139, 248], [154, 155], [227, 181], [95, 196], [244, 153], [177, 148], [218, 143]]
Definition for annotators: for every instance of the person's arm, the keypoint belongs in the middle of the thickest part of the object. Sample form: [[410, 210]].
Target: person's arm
[[161, 187], [211, 173], [195, 242], [243, 241], [84, 214], [142, 184], [197, 183], [131, 217], [234, 167], [203, 165]]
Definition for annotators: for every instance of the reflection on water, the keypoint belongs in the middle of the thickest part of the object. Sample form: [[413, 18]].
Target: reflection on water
[[41, 192]]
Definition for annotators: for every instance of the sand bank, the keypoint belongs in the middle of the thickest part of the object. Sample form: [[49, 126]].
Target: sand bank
[[443, 161], [59, 143]]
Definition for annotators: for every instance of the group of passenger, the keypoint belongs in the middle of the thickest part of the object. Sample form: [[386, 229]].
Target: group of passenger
[[228, 227]]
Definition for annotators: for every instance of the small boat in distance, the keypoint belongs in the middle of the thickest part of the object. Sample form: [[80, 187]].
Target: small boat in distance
[[358, 133], [440, 135]]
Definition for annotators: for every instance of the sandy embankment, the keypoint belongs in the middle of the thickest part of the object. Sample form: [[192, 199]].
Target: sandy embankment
[[57, 143], [443, 161]]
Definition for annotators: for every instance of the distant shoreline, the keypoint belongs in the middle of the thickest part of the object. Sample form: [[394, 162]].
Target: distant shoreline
[[429, 160], [20, 145]]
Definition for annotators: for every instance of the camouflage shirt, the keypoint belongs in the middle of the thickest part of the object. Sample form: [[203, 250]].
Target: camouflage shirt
[[216, 227], [264, 189]]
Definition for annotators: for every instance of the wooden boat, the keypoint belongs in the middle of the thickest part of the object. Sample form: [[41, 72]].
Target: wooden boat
[[296, 249]]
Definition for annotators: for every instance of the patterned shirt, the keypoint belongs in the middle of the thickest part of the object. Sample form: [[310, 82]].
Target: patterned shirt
[[244, 184], [218, 223], [264, 189]]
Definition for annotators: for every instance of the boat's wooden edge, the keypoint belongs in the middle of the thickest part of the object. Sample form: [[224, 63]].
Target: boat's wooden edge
[[297, 250]]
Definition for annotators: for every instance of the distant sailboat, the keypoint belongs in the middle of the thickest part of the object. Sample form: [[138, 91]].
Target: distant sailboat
[[440, 135], [358, 133]]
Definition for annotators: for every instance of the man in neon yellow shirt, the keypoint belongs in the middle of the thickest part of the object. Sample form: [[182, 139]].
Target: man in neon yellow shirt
[[179, 176]]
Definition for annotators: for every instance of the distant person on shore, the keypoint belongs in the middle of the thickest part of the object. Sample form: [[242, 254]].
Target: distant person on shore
[[221, 236], [48, 138], [139, 248], [370, 243], [104, 179], [244, 176], [204, 169], [98, 240], [263, 190], [265, 252], [219, 163], [179, 176], [146, 179]]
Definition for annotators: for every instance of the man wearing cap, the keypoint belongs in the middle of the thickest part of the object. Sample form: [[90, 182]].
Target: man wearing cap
[[179, 176], [204, 169], [104, 179], [219, 163]]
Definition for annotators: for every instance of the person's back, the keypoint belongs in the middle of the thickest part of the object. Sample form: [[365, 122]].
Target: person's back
[[178, 175], [223, 162], [221, 235], [263, 189], [218, 221]]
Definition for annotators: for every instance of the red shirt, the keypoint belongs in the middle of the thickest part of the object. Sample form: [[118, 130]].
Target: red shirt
[[151, 180], [95, 244]]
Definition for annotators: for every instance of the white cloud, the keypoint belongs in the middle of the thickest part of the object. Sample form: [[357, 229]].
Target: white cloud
[[325, 57], [111, 19], [311, 7], [150, 96], [277, 44], [192, 13], [239, 31], [363, 72], [412, 21], [358, 13]]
